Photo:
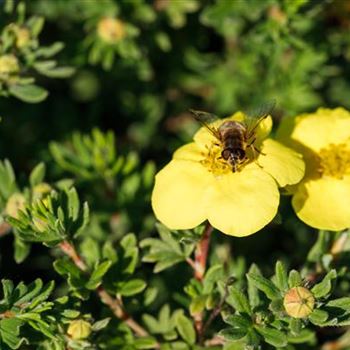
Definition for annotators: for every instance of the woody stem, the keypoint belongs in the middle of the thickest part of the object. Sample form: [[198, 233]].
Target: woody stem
[[201, 253], [199, 266], [114, 304]]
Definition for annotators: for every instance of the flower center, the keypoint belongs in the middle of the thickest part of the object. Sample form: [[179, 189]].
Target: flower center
[[216, 164], [334, 160]]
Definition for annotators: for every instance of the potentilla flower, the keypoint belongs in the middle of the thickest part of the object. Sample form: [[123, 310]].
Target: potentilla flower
[[198, 184], [322, 199], [111, 30]]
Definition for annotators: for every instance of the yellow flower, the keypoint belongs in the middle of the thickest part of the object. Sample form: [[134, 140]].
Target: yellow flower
[[111, 30], [198, 185], [322, 199]]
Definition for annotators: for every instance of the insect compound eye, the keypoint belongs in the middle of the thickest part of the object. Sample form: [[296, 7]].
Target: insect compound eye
[[239, 153], [226, 153]]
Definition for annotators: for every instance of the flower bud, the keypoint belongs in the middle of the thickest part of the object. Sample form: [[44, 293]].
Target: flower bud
[[299, 302], [111, 30], [15, 203], [40, 225], [22, 37], [41, 190], [8, 64], [79, 329]]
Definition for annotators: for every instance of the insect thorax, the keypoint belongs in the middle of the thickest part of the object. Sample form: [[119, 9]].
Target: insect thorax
[[232, 134]]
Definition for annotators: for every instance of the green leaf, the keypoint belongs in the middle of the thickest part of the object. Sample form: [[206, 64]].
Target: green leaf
[[198, 304], [295, 325], [90, 251], [281, 278], [44, 294], [320, 247], [97, 326], [22, 250], [7, 287], [8, 184], [238, 321], [239, 301], [33, 290], [341, 303], [294, 279], [9, 332], [276, 306], [51, 50], [185, 329], [49, 69], [165, 252], [305, 336], [323, 288], [253, 292], [145, 343], [318, 317], [213, 274], [132, 287], [37, 175], [272, 336], [28, 93], [265, 285], [97, 275], [75, 277], [232, 334]]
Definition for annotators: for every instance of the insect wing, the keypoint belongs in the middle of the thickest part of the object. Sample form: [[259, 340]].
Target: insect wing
[[205, 119], [257, 115], [262, 111]]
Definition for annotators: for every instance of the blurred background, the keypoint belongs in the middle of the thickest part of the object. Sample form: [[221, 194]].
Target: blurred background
[[139, 66]]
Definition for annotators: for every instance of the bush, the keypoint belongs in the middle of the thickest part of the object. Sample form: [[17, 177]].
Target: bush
[[114, 237]]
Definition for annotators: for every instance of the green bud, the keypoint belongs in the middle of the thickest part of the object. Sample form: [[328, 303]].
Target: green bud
[[9, 64], [41, 190], [15, 203], [79, 329], [299, 302]]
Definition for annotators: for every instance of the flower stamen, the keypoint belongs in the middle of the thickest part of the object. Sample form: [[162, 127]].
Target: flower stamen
[[334, 160], [213, 161]]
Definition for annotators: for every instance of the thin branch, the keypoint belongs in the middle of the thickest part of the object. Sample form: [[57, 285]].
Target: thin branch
[[201, 253], [199, 266], [214, 341], [115, 305], [191, 263], [70, 251], [339, 244], [215, 312], [117, 308], [5, 228]]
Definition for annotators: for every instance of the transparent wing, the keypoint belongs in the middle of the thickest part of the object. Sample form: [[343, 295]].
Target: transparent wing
[[258, 114], [205, 118], [261, 111]]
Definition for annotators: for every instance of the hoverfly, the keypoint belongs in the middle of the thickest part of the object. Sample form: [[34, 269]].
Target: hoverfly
[[235, 137]]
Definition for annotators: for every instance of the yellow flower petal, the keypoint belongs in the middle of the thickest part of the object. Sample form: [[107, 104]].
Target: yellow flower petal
[[190, 151], [317, 130], [179, 193], [263, 130], [285, 165], [324, 203], [242, 203]]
